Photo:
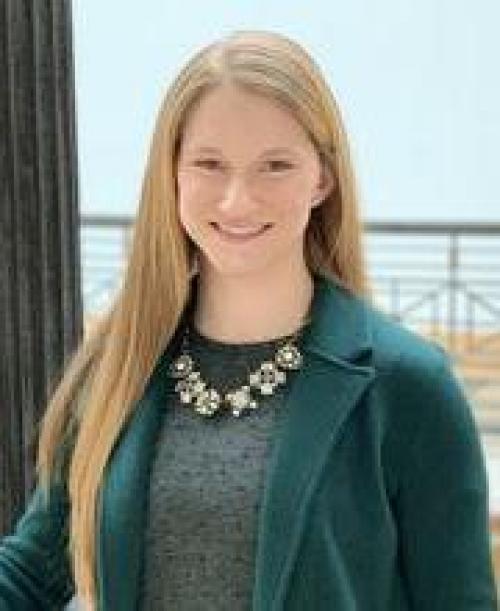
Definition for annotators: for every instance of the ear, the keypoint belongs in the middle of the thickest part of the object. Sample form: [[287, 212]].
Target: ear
[[325, 186]]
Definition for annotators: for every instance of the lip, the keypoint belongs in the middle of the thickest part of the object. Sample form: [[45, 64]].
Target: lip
[[239, 239]]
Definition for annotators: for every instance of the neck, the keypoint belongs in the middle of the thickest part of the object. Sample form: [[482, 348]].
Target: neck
[[242, 309]]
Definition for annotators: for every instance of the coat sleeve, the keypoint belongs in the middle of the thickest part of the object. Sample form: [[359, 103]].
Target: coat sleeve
[[442, 503], [35, 571]]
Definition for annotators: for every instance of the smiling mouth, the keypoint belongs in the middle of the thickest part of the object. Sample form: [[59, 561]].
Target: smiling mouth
[[243, 237]]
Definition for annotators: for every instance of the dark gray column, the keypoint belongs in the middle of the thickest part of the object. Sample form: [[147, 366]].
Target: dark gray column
[[40, 295]]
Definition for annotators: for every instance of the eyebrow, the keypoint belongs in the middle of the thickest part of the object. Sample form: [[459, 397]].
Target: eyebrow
[[272, 151]]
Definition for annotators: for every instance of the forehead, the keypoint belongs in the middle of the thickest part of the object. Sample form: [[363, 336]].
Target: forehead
[[229, 116]]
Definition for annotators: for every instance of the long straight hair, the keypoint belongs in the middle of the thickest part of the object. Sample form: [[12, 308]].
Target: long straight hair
[[107, 374]]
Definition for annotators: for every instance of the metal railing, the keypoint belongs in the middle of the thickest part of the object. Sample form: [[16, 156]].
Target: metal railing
[[456, 263]]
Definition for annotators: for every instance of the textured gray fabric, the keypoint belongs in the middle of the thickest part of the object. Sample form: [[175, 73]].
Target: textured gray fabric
[[206, 485]]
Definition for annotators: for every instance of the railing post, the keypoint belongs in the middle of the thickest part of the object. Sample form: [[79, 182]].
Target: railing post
[[453, 262], [470, 322], [436, 327]]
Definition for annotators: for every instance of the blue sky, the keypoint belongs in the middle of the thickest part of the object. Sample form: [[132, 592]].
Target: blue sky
[[415, 81]]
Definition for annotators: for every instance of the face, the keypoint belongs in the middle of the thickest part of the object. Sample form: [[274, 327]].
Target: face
[[246, 163]]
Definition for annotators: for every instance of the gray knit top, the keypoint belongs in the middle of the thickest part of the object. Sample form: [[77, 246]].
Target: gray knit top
[[206, 485]]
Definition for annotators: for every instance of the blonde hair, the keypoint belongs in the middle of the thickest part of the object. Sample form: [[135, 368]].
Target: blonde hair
[[108, 373]]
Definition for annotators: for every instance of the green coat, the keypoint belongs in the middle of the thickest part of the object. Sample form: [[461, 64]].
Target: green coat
[[376, 496]]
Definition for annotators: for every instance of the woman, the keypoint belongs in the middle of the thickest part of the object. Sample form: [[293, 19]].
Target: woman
[[245, 429]]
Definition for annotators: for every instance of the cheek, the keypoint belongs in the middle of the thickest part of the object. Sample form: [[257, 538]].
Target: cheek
[[188, 187], [190, 197], [298, 198], [296, 210]]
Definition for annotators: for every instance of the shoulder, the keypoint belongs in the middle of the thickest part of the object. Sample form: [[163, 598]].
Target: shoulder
[[416, 385], [422, 406], [397, 348], [415, 378]]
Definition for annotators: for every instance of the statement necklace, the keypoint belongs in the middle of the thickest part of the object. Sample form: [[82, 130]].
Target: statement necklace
[[194, 390]]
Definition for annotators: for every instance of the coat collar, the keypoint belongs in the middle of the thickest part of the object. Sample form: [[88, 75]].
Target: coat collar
[[336, 372], [339, 329]]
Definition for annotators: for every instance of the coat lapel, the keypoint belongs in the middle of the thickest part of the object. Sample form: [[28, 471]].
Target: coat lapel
[[322, 395], [326, 390]]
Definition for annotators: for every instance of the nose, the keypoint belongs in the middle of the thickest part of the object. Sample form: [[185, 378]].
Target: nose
[[237, 200]]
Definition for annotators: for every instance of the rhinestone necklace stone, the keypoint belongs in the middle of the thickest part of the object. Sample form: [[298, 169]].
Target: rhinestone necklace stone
[[194, 391]]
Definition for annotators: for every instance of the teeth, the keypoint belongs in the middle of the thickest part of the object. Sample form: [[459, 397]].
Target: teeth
[[241, 230]]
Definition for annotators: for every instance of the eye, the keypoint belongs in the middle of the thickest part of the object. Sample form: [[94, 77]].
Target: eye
[[208, 164], [278, 165]]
